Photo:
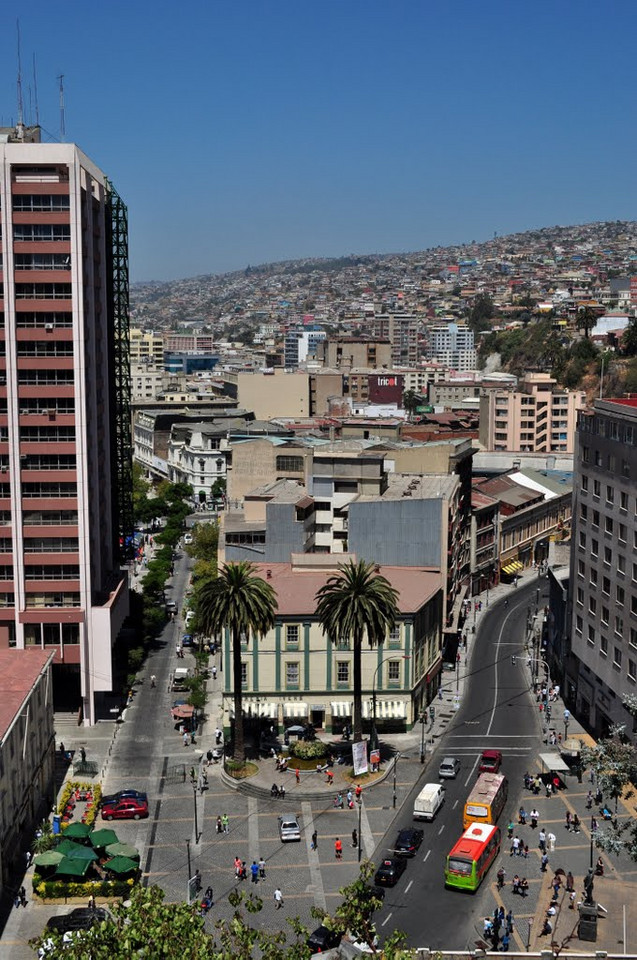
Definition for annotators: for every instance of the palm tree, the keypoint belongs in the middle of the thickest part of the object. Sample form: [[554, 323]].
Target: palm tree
[[238, 599], [411, 401], [354, 602], [586, 320]]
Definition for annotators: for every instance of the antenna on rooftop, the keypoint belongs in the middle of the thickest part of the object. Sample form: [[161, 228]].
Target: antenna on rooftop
[[62, 124], [35, 95], [20, 124]]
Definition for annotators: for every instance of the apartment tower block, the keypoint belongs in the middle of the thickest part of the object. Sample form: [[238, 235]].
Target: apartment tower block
[[65, 497]]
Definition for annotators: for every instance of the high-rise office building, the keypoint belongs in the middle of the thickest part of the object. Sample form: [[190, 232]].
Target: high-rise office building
[[65, 498], [603, 575]]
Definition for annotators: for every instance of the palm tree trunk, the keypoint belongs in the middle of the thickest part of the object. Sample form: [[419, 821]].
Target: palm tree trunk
[[358, 683], [239, 745]]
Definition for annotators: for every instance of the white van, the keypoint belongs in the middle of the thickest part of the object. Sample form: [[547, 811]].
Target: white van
[[429, 801]]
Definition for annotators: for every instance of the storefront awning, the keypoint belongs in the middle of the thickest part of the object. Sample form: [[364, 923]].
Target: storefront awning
[[385, 710], [553, 763], [341, 708], [512, 567], [295, 709], [264, 709]]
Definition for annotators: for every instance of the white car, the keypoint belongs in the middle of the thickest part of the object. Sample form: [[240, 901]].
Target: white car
[[188, 538], [289, 829]]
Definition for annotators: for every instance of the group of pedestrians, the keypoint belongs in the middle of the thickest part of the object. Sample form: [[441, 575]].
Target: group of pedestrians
[[499, 928]]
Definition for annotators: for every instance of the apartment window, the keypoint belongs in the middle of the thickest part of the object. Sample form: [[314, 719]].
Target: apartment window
[[292, 635], [599, 460], [610, 494], [291, 464], [394, 636], [586, 453], [41, 231], [597, 488], [581, 568], [620, 595], [583, 511], [621, 563], [595, 518], [608, 525], [633, 605], [244, 673], [622, 532], [41, 202], [342, 672], [608, 555], [617, 658], [606, 585], [603, 646], [625, 468], [292, 675], [393, 672], [580, 596], [585, 482], [605, 614], [578, 624], [592, 605], [591, 635], [623, 500], [594, 547], [634, 571], [582, 539], [619, 626], [632, 670], [593, 577]]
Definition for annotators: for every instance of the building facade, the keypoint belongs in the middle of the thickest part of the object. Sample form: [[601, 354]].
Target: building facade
[[401, 330], [603, 574], [65, 491], [452, 345]]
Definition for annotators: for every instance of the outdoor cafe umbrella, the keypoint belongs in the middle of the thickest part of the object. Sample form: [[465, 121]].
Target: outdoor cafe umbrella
[[78, 852], [72, 867], [122, 850], [50, 858], [77, 831], [121, 865], [102, 838], [70, 847]]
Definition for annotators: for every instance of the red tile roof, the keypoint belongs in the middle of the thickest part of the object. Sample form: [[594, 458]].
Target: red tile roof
[[19, 669]]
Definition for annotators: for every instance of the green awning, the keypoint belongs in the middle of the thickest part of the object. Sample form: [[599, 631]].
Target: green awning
[[68, 847], [72, 868], [121, 865], [77, 831], [102, 838], [50, 858], [122, 850]]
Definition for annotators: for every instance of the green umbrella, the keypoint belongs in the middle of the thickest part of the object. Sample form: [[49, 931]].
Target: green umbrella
[[72, 867], [121, 865], [68, 847], [77, 831], [102, 838], [50, 858], [122, 850]]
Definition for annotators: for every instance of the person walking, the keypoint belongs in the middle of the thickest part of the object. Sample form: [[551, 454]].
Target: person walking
[[278, 898], [535, 816], [314, 843], [515, 846], [218, 736], [544, 862], [153, 680], [297, 774], [214, 673], [509, 922], [219, 825], [338, 849], [359, 792], [209, 757], [542, 841], [354, 839], [23, 897], [254, 870], [225, 823], [261, 868], [552, 840], [237, 867], [570, 882]]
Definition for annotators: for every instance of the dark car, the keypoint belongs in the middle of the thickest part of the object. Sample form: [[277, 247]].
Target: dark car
[[390, 871], [114, 798], [82, 918], [187, 640], [323, 939], [125, 810], [408, 841]]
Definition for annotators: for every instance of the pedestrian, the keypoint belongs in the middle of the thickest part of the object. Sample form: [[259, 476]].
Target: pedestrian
[[314, 844], [589, 800], [570, 882], [254, 870], [525, 852], [209, 757], [535, 816], [186, 739], [593, 825], [552, 839], [338, 849], [359, 793], [197, 879], [542, 841], [504, 946], [153, 680], [219, 825], [524, 887], [278, 898], [261, 868], [214, 673], [83, 755], [575, 823], [544, 862], [509, 922], [282, 792], [23, 897], [62, 750], [208, 895], [16, 900], [244, 870], [515, 846], [297, 774], [91, 902], [237, 867], [510, 829], [568, 820], [225, 823], [354, 839], [572, 897], [218, 736]]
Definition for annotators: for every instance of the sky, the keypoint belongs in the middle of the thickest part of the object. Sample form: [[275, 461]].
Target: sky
[[248, 131]]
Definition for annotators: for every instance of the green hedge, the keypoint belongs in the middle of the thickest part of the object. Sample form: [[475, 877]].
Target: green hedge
[[312, 750], [63, 889]]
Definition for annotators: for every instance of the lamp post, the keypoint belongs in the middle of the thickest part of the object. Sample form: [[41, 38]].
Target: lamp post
[[567, 717], [194, 797], [374, 737], [360, 838], [394, 790], [422, 737]]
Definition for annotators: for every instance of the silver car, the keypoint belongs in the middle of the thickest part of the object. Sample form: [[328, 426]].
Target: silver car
[[449, 768], [289, 829]]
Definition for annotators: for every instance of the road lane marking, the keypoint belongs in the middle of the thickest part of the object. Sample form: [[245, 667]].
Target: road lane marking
[[387, 919], [426, 856], [472, 772], [316, 877], [408, 886], [455, 804], [441, 829]]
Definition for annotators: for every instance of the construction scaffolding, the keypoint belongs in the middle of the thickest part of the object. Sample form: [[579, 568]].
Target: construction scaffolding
[[123, 452]]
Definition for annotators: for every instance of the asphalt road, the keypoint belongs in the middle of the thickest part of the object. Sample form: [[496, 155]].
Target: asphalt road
[[497, 712]]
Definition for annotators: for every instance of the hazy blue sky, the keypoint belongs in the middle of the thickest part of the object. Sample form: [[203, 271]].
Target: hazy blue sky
[[241, 131]]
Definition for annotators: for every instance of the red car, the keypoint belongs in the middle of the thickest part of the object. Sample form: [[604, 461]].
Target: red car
[[129, 809]]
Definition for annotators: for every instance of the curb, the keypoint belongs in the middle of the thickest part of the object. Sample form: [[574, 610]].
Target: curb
[[254, 790]]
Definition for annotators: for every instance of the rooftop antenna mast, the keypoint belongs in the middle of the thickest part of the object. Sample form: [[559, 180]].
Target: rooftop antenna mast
[[35, 95], [20, 124], [62, 124]]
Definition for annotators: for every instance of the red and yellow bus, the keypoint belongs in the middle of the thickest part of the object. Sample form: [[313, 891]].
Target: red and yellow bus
[[471, 857], [486, 801]]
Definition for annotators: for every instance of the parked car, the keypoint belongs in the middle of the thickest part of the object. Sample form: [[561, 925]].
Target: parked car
[[323, 939], [448, 769], [390, 871], [124, 795], [408, 841], [125, 810], [82, 918], [189, 616], [187, 640], [188, 538], [289, 829]]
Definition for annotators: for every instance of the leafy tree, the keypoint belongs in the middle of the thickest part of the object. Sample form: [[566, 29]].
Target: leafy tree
[[481, 313], [629, 339], [630, 377], [614, 761], [141, 486], [218, 489], [411, 400], [353, 603], [205, 538], [238, 599], [586, 320]]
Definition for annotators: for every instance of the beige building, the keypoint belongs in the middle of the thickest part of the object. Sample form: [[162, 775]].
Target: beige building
[[295, 673], [146, 347], [537, 418], [27, 750], [274, 394], [343, 353]]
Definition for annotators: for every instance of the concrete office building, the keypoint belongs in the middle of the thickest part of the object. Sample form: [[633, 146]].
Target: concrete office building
[[344, 353], [452, 344], [65, 490], [401, 330], [301, 343], [603, 574]]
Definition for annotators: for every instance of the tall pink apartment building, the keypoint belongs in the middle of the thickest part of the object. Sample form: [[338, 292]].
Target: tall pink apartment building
[[538, 417], [65, 510]]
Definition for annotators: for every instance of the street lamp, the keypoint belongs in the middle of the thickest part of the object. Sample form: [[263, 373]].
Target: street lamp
[[373, 743], [567, 717], [395, 768], [360, 838], [194, 797], [422, 737]]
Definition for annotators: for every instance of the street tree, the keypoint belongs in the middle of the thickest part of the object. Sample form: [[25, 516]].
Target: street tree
[[585, 320], [411, 401], [354, 603], [246, 604], [614, 762], [629, 339]]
